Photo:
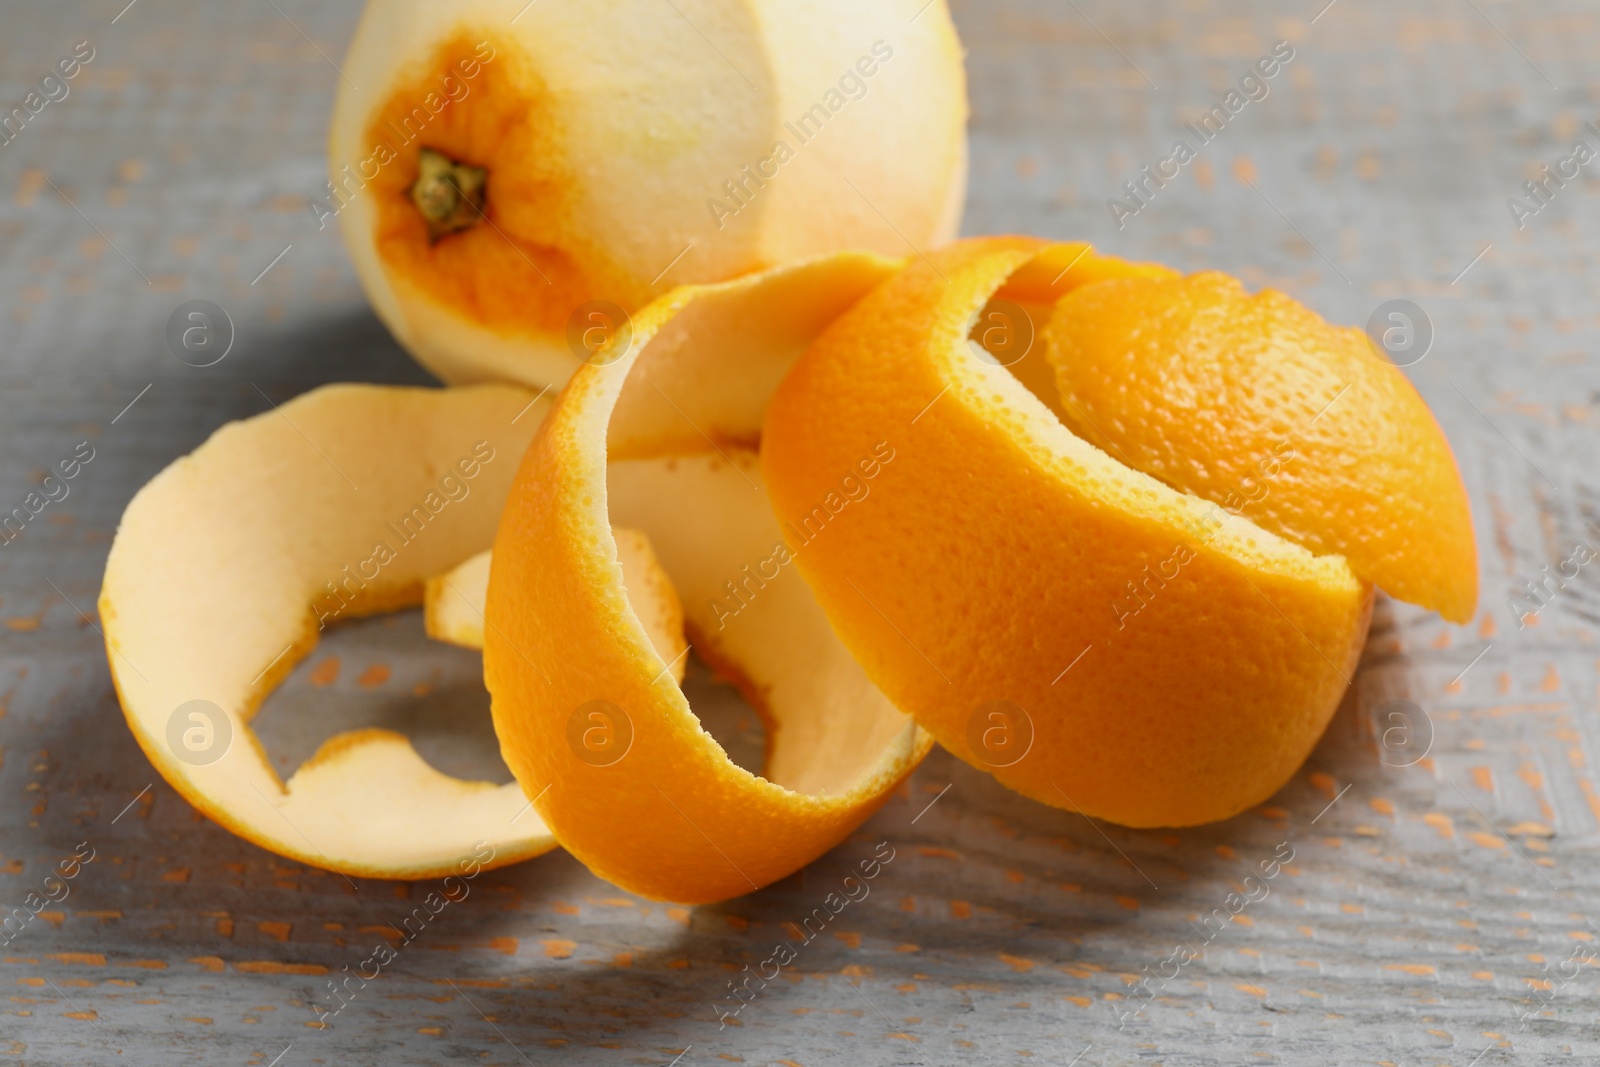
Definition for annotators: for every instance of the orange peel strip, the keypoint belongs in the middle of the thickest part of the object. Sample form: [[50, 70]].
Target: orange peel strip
[[603, 741], [452, 606], [225, 563], [1095, 639], [1255, 403]]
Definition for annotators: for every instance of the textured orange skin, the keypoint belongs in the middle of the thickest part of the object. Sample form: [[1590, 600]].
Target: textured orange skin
[[1218, 393], [558, 634], [975, 571], [501, 275]]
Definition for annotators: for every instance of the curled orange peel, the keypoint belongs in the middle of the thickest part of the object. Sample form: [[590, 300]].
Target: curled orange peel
[[1096, 639], [226, 564], [601, 737], [453, 602]]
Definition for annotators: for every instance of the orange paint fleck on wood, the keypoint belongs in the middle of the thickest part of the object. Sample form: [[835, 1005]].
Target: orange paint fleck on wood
[[1324, 783], [86, 1016], [1440, 822], [1590, 796], [558, 948], [148, 965], [209, 963], [1483, 976], [1412, 968], [1130, 903], [278, 931], [1483, 840], [274, 967], [561, 907], [85, 959], [1381, 806], [853, 940], [1441, 640], [1551, 680], [1253, 990], [1016, 963], [1082, 1002], [326, 672], [1483, 778], [1351, 909], [373, 676], [939, 853], [1486, 627], [908, 947], [960, 909], [431, 1031], [177, 874], [1015, 877]]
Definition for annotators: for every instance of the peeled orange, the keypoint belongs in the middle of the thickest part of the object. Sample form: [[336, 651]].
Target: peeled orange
[[513, 179]]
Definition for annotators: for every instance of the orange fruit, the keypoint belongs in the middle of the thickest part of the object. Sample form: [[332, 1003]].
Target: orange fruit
[[1257, 404], [603, 740], [226, 566], [1091, 636], [509, 176]]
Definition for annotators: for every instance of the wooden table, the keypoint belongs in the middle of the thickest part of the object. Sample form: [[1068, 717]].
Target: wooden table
[[1427, 894]]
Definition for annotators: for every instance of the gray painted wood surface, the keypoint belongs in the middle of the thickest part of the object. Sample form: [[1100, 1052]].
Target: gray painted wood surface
[[1424, 902]]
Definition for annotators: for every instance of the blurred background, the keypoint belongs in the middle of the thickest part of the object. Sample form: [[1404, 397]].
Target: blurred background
[[1438, 882]]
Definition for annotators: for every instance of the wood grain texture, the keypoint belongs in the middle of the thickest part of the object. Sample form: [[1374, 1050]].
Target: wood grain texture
[[1424, 902]]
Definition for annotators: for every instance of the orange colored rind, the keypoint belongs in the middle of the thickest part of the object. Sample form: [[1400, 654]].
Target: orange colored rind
[[602, 739], [1255, 403], [1096, 639], [338, 504]]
